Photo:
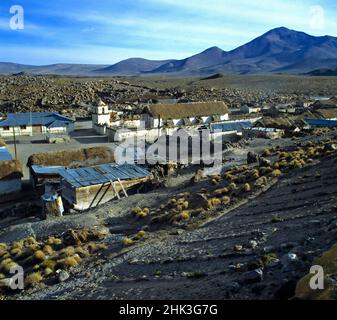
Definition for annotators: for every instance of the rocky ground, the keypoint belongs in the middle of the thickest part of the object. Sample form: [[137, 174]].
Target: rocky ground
[[74, 96], [257, 248]]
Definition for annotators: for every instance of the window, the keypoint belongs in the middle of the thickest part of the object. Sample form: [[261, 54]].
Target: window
[[23, 127], [6, 128]]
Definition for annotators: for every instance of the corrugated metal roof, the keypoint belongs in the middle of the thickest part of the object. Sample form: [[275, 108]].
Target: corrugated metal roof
[[84, 177], [33, 118], [321, 122], [231, 126], [4, 154], [47, 170]]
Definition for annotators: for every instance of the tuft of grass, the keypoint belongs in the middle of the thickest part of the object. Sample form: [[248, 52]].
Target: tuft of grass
[[33, 279], [185, 215], [276, 173], [69, 262], [39, 255], [127, 242], [48, 250], [48, 272], [140, 234], [247, 187], [49, 264], [82, 252], [226, 200]]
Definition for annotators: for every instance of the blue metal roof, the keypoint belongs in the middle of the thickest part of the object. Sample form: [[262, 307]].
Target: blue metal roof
[[47, 170], [84, 177], [231, 126], [33, 118], [321, 122], [4, 154]]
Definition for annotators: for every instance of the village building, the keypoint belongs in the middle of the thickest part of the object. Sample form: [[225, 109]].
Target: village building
[[327, 113], [184, 114], [34, 123], [265, 133], [229, 130], [320, 123], [85, 188], [249, 109], [47, 167], [103, 118], [165, 119], [10, 173]]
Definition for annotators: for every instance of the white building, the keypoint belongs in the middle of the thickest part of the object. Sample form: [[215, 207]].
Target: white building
[[247, 109], [184, 114], [34, 123]]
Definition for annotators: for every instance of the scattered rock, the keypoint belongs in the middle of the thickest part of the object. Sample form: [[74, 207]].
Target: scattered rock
[[253, 276], [62, 275]]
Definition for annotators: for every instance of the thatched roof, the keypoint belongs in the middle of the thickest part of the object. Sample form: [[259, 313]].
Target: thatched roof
[[186, 110], [2, 143], [327, 113], [73, 158], [11, 169], [277, 123]]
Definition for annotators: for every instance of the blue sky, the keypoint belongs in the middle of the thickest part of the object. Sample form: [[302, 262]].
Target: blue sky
[[107, 31]]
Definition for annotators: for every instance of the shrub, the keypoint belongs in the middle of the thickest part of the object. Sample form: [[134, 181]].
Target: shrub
[[216, 202], [33, 279], [77, 258], [226, 200], [128, 242], [276, 173], [49, 264], [135, 211], [47, 249], [247, 187], [219, 192], [68, 251], [82, 252], [3, 246], [140, 234], [232, 186], [48, 272], [69, 262], [39, 255], [185, 215], [142, 215]]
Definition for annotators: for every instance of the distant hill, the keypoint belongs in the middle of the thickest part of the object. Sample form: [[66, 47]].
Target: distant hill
[[280, 50], [324, 73]]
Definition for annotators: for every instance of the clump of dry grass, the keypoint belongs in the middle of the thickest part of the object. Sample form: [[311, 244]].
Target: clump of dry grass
[[226, 200], [276, 173], [39, 255], [33, 279], [185, 215], [247, 187], [127, 242]]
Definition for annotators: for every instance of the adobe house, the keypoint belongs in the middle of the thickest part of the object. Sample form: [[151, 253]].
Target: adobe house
[[33, 123], [184, 114], [86, 188], [44, 167]]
